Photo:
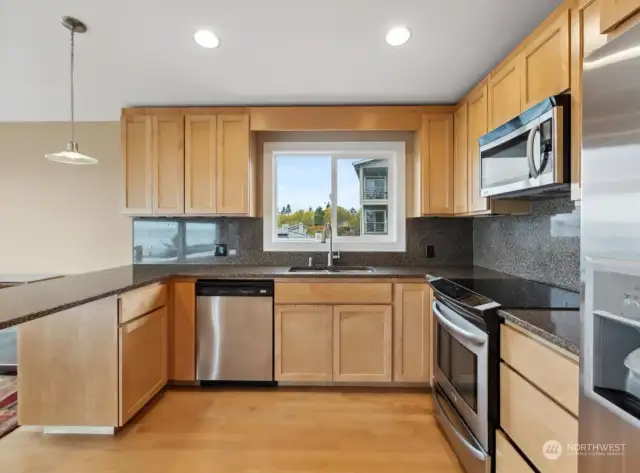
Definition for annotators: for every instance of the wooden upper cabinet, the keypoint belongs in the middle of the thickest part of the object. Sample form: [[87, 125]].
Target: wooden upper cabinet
[[137, 155], [200, 164], [614, 12], [505, 96], [547, 62], [234, 165], [362, 343], [303, 343], [412, 333], [460, 161], [477, 127], [436, 151], [167, 140]]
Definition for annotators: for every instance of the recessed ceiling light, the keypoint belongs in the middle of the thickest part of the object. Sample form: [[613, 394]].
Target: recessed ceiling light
[[398, 36], [206, 39]]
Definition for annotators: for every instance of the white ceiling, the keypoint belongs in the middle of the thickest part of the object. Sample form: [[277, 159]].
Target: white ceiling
[[141, 52]]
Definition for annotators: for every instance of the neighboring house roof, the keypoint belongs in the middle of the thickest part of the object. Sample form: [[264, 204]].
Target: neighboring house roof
[[358, 164]]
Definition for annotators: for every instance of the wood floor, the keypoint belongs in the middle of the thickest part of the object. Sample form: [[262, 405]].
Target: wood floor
[[284, 431]]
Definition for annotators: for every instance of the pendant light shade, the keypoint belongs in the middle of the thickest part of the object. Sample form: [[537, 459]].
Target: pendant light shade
[[71, 155]]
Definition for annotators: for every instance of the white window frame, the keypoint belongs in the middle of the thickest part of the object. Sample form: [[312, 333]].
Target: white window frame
[[393, 151]]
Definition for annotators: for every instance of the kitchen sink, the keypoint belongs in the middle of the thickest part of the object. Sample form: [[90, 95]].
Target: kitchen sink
[[332, 269]]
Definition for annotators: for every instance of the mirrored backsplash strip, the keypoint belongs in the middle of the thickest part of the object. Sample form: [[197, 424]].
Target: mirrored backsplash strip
[[543, 246], [227, 240]]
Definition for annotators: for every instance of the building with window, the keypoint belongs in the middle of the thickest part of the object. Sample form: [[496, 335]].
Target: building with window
[[374, 195]]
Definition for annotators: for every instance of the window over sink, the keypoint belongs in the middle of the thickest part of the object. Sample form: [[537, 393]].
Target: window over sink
[[357, 187]]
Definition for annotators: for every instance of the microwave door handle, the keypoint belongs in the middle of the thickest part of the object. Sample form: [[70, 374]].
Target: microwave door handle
[[454, 328], [535, 172]]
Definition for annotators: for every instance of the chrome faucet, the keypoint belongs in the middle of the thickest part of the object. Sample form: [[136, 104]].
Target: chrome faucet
[[330, 256]]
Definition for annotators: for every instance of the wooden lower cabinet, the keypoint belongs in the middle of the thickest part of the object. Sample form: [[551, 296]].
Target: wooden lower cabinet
[[143, 361], [508, 460], [412, 333], [182, 352], [303, 343], [531, 419], [362, 343]]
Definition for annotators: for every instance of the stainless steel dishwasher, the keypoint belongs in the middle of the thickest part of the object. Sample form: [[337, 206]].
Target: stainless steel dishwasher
[[234, 329]]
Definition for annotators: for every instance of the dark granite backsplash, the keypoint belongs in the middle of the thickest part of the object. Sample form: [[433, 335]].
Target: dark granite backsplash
[[192, 241], [543, 246]]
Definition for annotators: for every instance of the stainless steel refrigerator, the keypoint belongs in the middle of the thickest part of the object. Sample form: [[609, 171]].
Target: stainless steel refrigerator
[[609, 424]]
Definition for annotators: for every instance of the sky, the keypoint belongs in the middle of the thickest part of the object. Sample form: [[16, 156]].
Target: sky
[[305, 181]]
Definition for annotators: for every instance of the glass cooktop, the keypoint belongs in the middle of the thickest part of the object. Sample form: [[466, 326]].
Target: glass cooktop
[[509, 293]]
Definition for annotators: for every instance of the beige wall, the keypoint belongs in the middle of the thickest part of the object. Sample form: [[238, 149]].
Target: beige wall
[[57, 218]]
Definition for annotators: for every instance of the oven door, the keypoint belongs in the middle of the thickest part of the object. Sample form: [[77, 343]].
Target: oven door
[[524, 160], [461, 371]]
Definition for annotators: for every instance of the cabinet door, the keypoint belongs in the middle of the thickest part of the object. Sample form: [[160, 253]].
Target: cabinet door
[[477, 126], [547, 62], [460, 161], [411, 333], [436, 143], [362, 343], [143, 361], [168, 165], [586, 38], [614, 12], [303, 342], [234, 161], [183, 339], [137, 155], [505, 93], [508, 460], [200, 164]]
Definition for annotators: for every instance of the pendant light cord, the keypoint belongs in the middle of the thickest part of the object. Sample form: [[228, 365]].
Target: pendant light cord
[[73, 126]]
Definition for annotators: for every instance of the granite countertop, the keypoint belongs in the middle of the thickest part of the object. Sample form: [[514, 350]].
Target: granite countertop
[[22, 303], [560, 327]]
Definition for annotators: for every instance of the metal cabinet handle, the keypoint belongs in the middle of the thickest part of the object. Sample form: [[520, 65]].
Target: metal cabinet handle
[[454, 328]]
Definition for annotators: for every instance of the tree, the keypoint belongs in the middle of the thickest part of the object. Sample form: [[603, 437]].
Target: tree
[[353, 212], [288, 209], [284, 211], [328, 205], [318, 216]]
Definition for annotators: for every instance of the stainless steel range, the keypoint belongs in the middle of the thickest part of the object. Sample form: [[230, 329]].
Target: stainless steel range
[[466, 331]]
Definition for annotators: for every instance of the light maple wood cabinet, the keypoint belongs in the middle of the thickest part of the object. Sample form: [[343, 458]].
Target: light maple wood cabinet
[[182, 163], [547, 62], [504, 89], [460, 161], [436, 165], [136, 137], [614, 12], [218, 165], [303, 342], [182, 323], [508, 460], [412, 333], [362, 343], [477, 126], [143, 361]]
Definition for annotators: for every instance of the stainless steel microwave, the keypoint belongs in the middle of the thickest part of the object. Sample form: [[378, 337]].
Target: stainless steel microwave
[[530, 155]]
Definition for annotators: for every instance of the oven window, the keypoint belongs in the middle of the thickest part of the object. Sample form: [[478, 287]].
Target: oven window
[[506, 163], [460, 366]]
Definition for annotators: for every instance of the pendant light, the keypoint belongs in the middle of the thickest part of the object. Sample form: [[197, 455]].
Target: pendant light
[[71, 155]]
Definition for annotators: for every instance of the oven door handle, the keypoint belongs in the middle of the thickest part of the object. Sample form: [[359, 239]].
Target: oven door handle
[[474, 450], [454, 328]]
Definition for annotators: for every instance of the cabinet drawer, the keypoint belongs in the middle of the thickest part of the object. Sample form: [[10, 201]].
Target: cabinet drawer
[[531, 419], [508, 460], [140, 301], [333, 293], [551, 372], [143, 361]]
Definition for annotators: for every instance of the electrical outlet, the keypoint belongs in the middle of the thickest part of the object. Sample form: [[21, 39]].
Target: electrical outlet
[[233, 252], [431, 251]]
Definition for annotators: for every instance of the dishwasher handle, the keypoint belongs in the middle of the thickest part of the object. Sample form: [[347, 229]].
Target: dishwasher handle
[[230, 288]]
